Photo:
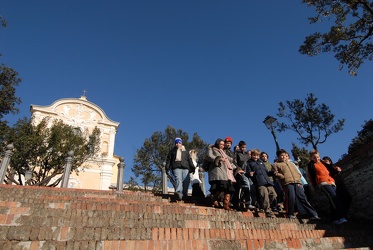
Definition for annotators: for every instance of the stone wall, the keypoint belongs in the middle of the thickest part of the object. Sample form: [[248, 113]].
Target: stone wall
[[357, 176]]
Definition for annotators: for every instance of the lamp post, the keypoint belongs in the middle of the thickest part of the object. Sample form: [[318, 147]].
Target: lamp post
[[269, 121]]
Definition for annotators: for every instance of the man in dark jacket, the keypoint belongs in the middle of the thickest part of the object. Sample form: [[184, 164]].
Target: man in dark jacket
[[181, 164]]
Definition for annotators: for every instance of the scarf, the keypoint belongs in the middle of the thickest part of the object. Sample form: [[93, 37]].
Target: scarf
[[227, 165]]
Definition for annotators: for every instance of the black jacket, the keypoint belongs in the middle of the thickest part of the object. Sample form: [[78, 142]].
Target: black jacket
[[185, 163], [261, 173]]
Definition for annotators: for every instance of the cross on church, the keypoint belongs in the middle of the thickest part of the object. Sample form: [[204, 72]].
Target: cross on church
[[84, 91]]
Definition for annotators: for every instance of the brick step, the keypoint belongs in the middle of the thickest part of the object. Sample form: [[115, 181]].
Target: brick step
[[41, 214], [119, 232], [176, 215], [13, 193], [153, 216], [324, 243]]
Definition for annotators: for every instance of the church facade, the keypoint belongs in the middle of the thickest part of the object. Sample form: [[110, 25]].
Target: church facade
[[100, 172]]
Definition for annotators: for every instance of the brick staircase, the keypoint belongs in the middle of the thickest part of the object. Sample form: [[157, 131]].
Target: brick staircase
[[56, 218]]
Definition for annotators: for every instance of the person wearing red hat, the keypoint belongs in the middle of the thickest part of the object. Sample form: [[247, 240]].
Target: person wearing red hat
[[227, 146]]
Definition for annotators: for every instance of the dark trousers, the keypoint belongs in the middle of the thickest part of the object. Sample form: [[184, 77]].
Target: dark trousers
[[334, 200], [295, 197], [279, 191]]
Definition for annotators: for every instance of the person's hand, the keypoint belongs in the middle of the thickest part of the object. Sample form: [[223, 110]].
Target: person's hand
[[252, 174], [338, 169], [241, 172]]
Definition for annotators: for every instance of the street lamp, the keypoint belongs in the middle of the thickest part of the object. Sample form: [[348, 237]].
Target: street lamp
[[269, 121]]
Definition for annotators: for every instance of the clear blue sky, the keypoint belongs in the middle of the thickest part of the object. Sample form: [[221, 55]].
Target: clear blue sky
[[217, 68]]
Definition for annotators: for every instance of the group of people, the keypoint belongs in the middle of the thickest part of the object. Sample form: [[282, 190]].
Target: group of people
[[245, 179]]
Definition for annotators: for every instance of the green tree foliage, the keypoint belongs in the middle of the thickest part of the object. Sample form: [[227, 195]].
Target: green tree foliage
[[3, 22], [43, 149], [350, 35], [150, 158], [313, 122], [9, 80], [301, 155], [363, 137], [132, 185]]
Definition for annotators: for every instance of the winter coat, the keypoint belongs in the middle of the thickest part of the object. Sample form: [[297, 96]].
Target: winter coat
[[241, 159], [185, 163], [217, 170], [287, 172], [261, 174], [323, 176]]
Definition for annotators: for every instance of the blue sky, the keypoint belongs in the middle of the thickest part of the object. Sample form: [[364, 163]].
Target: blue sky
[[217, 68]]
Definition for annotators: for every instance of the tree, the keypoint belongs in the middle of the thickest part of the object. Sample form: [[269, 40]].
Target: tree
[[363, 137], [132, 185], [42, 149], [350, 38], [3, 22], [301, 155], [313, 123], [150, 158], [9, 80]]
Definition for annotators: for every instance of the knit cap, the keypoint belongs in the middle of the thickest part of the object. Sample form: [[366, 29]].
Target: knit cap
[[178, 140]]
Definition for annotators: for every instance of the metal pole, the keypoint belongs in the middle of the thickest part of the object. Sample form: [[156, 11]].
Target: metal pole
[[120, 175], [66, 172], [164, 181], [275, 138], [5, 162]]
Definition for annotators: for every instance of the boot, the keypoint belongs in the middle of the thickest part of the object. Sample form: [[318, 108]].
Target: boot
[[227, 202], [216, 199]]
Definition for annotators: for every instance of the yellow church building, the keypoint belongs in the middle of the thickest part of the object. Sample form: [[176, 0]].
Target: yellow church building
[[100, 172]]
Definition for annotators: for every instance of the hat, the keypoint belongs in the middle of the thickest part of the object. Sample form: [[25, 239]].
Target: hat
[[178, 140], [228, 139]]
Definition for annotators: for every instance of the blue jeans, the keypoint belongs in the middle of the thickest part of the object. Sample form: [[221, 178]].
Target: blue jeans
[[182, 181]]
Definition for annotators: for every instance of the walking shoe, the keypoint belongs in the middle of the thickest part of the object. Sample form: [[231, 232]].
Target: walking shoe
[[274, 209], [342, 220], [315, 218], [178, 196], [251, 207], [270, 215]]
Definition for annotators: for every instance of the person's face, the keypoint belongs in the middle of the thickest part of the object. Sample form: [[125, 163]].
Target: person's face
[[282, 157], [287, 157], [255, 157], [243, 148], [264, 157], [249, 152], [315, 158], [179, 144], [228, 144], [221, 145]]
